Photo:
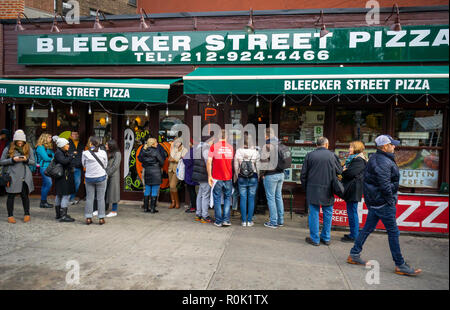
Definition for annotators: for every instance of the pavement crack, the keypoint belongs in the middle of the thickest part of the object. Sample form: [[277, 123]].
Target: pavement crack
[[346, 280], [220, 260]]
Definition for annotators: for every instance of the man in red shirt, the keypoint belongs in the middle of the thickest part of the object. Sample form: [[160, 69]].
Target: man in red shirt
[[219, 165]]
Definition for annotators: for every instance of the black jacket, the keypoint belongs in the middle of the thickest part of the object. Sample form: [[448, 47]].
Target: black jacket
[[352, 178], [199, 170], [77, 161], [152, 161], [381, 180], [66, 184], [318, 172]]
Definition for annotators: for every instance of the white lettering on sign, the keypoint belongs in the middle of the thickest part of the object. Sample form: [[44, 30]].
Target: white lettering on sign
[[98, 44], [139, 43], [113, 44], [257, 40], [398, 35], [235, 38], [421, 34], [328, 84], [413, 206], [442, 38], [280, 41], [412, 84], [301, 40], [80, 44], [116, 93], [44, 45], [358, 37], [368, 84], [40, 90], [160, 43], [181, 41], [442, 205], [215, 43]]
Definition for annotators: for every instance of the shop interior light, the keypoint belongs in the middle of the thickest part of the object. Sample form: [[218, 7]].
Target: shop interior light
[[250, 28], [143, 24], [396, 26], [284, 100], [323, 29]]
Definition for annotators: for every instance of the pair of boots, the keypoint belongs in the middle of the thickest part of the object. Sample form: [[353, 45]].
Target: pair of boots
[[152, 202], [45, 204], [175, 200], [62, 216]]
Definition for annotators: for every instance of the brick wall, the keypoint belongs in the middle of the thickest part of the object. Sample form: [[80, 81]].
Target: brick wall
[[44, 5], [10, 8]]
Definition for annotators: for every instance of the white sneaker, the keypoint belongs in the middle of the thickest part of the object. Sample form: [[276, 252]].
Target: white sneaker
[[250, 224], [244, 224], [111, 214], [95, 213]]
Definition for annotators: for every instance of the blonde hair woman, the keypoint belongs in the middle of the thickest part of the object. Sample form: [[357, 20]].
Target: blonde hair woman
[[352, 177], [177, 151], [44, 155], [152, 161]]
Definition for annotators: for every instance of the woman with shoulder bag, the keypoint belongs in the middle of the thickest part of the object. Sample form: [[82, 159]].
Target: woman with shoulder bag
[[95, 161], [352, 178], [16, 158], [113, 171], [65, 185], [44, 151], [177, 152]]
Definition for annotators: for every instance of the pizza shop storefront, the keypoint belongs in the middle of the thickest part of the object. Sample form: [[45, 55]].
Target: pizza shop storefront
[[352, 83]]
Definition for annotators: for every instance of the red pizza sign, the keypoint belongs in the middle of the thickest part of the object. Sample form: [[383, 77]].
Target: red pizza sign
[[414, 213]]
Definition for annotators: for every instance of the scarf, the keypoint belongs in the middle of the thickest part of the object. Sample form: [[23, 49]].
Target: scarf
[[351, 157], [19, 149]]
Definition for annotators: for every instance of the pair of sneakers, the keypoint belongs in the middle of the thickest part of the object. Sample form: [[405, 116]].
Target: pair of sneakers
[[222, 224], [404, 269], [270, 225], [247, 224]]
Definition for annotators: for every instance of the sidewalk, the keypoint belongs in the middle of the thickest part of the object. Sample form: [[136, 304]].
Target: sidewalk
[[169, 250]]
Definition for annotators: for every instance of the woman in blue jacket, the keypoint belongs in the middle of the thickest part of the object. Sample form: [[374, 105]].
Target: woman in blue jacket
[[45, 154]]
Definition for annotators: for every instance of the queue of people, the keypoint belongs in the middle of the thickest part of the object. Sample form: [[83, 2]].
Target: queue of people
[[214, 166]]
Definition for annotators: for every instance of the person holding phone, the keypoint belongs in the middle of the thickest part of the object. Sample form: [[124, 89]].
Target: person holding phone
[[16, 158]]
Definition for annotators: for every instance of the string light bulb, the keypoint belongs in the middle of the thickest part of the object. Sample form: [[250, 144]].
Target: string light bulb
[[71, 109], [284, 100], [51, 107], [32, 107], [426, 100], [396, 100], [146, 111], [339, 98], [367, 98], [13, 106], [231, 100], [257, 101], [107, 118], [128, 121], [89, 111], [167, 110], [187, 104], [209, 100], [310, 99]]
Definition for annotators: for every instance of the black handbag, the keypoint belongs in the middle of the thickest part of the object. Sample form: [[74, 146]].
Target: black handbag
[[338, 187], [54, 170], [5, 178]]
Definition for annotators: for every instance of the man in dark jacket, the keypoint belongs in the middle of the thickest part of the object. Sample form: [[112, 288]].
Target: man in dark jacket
[[381, 182], [200, 175], [319, 170], [76, 148]]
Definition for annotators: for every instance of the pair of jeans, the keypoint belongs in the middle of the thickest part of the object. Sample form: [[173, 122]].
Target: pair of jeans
[[97, 191], [151, 190], [222, 188], [25, 201], [203, 199], [77, 180], [273, 185], [387, 216], [46, 185], [192, 196], [247, 191], [62, 201], [353, 220], [235, 196], [313, 221]]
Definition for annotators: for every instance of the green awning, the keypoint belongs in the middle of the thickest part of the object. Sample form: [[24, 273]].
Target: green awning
[[318, 80], [134, 90]]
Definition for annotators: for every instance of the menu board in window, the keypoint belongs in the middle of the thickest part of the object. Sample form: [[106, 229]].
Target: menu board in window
[[418, 168], [298, 156]]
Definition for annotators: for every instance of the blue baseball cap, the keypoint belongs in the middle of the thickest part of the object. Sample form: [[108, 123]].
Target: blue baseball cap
[[386, 139]]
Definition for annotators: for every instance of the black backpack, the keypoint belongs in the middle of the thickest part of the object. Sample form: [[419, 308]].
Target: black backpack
[[246, 169], [284, 157]]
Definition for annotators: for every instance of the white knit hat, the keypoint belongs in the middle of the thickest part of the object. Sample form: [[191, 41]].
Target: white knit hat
[[55, 138], [19, 135], [61, 142]]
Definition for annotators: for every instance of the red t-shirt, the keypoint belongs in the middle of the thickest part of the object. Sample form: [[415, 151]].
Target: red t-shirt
[[222, 161]]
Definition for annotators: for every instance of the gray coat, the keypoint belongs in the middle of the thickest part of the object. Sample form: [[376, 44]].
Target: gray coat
[[113, 171], [19, 171]]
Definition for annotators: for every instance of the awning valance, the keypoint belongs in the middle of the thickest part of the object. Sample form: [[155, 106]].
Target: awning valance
[[134, 90], [318, 80]]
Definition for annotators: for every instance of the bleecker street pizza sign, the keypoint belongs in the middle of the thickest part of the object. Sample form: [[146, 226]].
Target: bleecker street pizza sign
[[292, 46]]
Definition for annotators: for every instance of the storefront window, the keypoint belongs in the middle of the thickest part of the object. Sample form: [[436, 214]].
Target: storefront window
[[362, 125], [298, 156], [36, 123], [135, 135], [418, 168], [300, 124], [166, 123], [419, 127], [66, 121], [102, 126]]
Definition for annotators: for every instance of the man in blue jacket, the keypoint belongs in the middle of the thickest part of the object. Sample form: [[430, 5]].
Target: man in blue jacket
[[381, 182]]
